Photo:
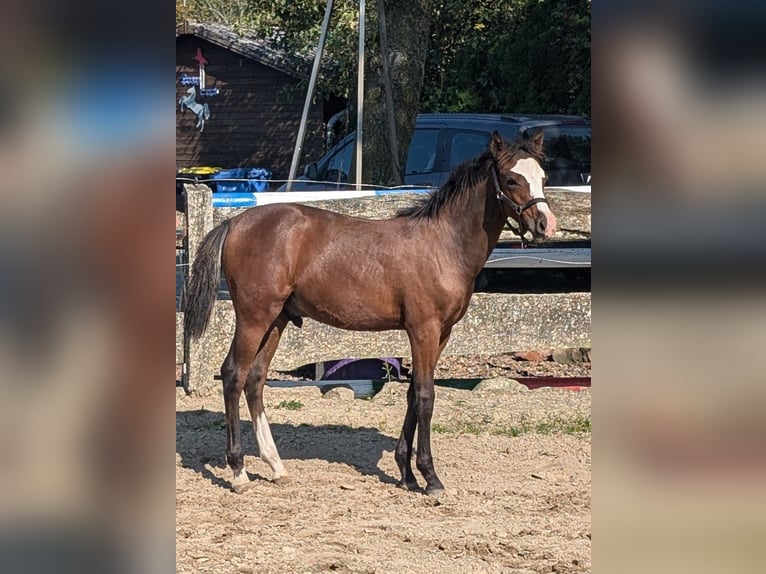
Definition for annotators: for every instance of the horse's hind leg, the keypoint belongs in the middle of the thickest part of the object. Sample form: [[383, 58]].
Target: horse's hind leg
[[254, 392], [248, 339]]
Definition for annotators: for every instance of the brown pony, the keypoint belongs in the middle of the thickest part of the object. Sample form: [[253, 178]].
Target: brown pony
[[415, 272]]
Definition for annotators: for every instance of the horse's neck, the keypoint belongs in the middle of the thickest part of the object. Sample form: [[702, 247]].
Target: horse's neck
[[477, 226]]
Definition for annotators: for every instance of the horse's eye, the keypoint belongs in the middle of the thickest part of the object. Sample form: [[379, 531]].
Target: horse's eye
[[511, 183]]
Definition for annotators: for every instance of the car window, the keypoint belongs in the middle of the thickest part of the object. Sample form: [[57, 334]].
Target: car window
[[465, 146], [422, 154], [337, 166], [567, 155]]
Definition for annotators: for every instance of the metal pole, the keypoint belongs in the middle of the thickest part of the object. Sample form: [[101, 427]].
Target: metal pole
[[360, 98], [309, 96]]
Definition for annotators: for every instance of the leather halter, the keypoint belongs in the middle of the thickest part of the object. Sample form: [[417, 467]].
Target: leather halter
[[517, 209]]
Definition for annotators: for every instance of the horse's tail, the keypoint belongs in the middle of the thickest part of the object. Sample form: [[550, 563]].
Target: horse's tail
[[203, 284]]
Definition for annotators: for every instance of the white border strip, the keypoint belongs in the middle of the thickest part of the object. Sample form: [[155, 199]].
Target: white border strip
[[252, 199]]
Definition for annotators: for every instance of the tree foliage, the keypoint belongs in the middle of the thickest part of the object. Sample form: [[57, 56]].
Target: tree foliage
[[406, 57], [512, 56], [525, 56], [293, 26]]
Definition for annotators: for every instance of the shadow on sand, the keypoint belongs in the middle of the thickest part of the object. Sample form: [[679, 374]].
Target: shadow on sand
[[201, 442]]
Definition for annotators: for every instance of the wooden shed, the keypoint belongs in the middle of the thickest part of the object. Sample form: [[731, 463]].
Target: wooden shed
[[242, 102]]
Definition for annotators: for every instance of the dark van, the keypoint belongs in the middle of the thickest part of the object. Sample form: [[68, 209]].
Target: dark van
[[441, 142]]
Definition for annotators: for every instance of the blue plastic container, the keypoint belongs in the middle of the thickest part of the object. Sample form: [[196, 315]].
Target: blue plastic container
[[255, 180]]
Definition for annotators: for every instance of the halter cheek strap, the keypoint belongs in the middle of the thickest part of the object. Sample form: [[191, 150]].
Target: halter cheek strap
[[517, 209]]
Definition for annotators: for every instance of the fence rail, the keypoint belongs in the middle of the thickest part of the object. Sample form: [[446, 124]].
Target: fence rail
[[539, 257]]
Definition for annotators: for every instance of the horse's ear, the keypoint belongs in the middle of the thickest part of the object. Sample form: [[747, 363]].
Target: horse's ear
[[536, 143], [496, 143]]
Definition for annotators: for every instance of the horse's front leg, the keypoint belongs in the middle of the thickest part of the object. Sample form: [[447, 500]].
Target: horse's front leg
[[427, 344], [403, 452]]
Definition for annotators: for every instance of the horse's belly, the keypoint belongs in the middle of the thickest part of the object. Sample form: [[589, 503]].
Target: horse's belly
[[350, 313]]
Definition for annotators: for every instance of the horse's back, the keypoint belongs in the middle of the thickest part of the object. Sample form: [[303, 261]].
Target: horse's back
[[334, 268], [293, 236], [286, 222], [297, 218]]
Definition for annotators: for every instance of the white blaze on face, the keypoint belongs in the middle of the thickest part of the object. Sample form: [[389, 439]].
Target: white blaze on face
[[531, 170]]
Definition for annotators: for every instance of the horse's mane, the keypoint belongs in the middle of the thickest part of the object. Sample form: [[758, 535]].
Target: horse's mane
[[466, 177]]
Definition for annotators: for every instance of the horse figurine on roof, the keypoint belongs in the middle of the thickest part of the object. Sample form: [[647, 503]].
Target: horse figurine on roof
[[414, 272], [202, 111]]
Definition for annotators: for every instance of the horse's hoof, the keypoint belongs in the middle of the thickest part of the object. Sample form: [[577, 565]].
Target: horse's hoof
[[281, 480], [435, 491], [241, 487], [241, 482], [411, 486]]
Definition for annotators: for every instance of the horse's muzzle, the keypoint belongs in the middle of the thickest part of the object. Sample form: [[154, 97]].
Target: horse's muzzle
[[543, 225]]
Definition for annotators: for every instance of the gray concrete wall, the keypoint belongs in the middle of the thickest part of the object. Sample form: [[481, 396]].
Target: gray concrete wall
[[494, 323], [572, 211]]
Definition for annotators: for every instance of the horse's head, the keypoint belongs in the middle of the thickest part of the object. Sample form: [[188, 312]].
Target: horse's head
[[518, 180]]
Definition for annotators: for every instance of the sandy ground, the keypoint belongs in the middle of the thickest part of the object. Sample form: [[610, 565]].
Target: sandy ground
[[516, 465]]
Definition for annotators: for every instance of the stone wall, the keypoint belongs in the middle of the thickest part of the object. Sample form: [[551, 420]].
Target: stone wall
[[494, 323], [572, 210]]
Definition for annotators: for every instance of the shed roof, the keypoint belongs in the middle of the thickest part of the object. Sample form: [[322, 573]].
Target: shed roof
[[257, 49]]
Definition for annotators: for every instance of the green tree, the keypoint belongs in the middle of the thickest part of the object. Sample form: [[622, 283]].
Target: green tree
[[525, 56], [547, 58], [461, 32], [407, 54], [295, 26]]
